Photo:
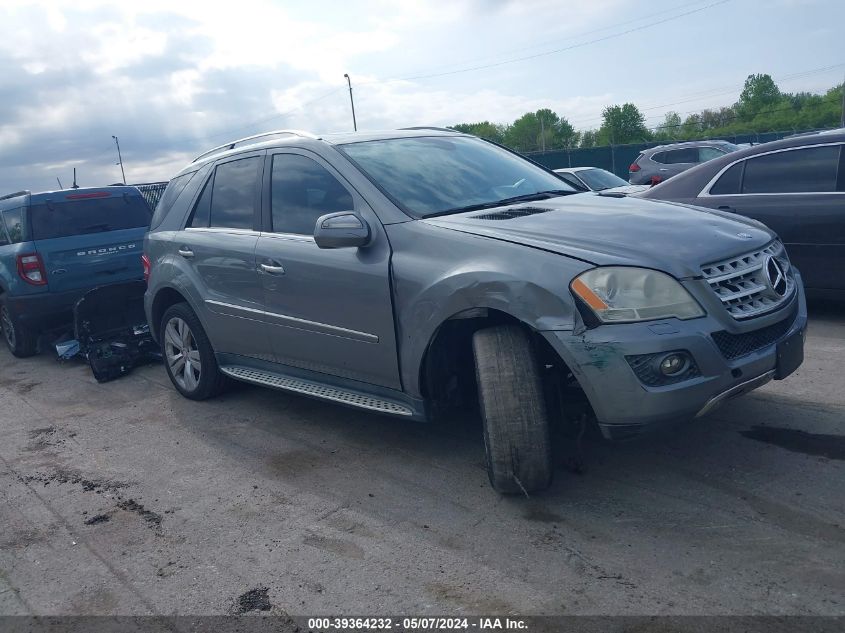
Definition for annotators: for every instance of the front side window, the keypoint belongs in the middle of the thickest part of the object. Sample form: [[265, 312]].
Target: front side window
[[434, 175], [233, 193], [302, 191], [708, 153], [807, 170]]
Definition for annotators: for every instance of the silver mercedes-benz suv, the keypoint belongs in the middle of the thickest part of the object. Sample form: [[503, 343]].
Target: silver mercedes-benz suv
[[405, 271]]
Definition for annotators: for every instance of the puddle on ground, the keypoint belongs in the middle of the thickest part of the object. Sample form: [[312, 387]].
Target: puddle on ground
[[830, 446]]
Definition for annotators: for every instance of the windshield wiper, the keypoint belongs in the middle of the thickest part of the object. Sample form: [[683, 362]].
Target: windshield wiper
[[528, 197]]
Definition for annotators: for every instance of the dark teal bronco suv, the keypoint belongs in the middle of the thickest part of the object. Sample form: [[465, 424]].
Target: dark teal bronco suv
[[57, 245]]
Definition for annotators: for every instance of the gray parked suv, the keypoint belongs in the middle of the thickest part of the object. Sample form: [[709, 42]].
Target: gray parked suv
[[659, 163], [403, 272]]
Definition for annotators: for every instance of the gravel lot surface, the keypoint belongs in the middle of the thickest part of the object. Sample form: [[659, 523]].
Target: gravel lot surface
[[125, 498]]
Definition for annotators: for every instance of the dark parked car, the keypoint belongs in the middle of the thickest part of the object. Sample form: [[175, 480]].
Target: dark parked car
[[403, 272], [660, 163], [795, 186]]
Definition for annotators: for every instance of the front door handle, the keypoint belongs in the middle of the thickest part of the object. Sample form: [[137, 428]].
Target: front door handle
[[184, 251], [273, 268]]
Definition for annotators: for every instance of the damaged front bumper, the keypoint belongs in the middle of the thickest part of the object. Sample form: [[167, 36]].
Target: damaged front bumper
[[617, 365]]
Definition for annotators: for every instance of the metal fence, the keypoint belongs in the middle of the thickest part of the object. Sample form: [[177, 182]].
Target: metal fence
[[152, 192], [617, 158]]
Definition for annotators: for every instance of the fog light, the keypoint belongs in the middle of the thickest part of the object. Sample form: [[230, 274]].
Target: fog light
[[672, 364]]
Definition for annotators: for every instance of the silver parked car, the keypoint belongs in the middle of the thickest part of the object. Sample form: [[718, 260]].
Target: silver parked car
[[403, 272], [660, 163], [597, 179]]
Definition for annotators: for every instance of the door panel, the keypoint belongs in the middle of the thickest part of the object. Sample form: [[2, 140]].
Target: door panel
[[812, 226], [218, 249], [222, 266], [328, 310]]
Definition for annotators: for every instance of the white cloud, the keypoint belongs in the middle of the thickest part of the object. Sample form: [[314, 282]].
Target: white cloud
[[173, 78]]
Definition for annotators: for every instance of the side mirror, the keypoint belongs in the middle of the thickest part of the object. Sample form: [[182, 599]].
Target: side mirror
[[341, 230]]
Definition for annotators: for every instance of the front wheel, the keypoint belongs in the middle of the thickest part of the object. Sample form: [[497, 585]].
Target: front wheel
[[188, 355], [513, 408], [21, 340]]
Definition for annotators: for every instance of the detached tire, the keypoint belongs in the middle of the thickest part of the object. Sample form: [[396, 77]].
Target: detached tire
[[21, 341], [188, 355], [513, 409]]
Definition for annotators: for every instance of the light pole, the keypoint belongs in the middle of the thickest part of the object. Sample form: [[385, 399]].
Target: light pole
[[119, 158], [352, 103]]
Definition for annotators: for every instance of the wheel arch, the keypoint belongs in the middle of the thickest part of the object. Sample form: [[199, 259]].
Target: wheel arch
[[162, 300], [448, 356]]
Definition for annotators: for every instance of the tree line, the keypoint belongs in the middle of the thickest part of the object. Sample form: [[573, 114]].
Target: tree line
[[761, 107]]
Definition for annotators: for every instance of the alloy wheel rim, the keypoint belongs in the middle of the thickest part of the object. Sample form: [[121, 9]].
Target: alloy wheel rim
[[183, 356], [8, 328]]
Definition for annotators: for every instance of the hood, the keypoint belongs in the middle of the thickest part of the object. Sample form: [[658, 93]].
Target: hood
[[605, 230]]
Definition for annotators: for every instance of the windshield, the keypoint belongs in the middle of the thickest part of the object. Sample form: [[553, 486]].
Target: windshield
[[599, 179], [428, 176]]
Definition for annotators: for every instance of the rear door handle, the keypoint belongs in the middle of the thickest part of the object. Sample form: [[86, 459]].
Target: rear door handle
[[663, 169], [273, 268], [727, 208], [184, 251]]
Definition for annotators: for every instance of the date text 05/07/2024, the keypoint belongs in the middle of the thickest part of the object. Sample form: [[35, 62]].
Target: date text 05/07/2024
[[416, 624]]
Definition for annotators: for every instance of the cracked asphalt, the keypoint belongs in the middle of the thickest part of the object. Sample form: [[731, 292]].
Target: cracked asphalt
[[125, 498]]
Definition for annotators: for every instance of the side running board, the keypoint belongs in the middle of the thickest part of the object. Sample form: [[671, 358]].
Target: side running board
[[316, 390]]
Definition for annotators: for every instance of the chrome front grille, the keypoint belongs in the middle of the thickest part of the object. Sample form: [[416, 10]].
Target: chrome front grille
[[748, 285]]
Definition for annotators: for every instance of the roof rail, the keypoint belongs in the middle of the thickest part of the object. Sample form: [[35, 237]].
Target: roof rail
[[23, 192], [430, 127], [250, 140]]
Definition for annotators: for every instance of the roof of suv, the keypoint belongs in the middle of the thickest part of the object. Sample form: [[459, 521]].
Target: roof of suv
[[686, 144], [277, 137], [13, 200]]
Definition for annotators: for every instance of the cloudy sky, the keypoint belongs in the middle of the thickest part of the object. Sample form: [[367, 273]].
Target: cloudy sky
[[172, 78]]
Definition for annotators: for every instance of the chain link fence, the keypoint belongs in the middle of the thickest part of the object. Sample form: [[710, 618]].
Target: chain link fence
[[152, 192]]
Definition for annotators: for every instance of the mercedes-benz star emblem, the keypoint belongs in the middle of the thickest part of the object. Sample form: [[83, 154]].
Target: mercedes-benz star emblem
[[775, 275]]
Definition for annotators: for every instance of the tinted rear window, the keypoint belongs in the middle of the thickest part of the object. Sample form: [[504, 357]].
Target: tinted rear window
[[14, 226], [730, 182], [681, 156], [81, 217]]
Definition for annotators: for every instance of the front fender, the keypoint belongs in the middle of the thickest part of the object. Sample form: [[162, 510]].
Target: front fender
[[457, 272]]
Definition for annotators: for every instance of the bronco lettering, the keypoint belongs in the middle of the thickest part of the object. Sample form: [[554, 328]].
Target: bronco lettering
[[106, 251]]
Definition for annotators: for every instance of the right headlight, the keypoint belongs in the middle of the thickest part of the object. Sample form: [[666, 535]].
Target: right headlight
[[623, 294]]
